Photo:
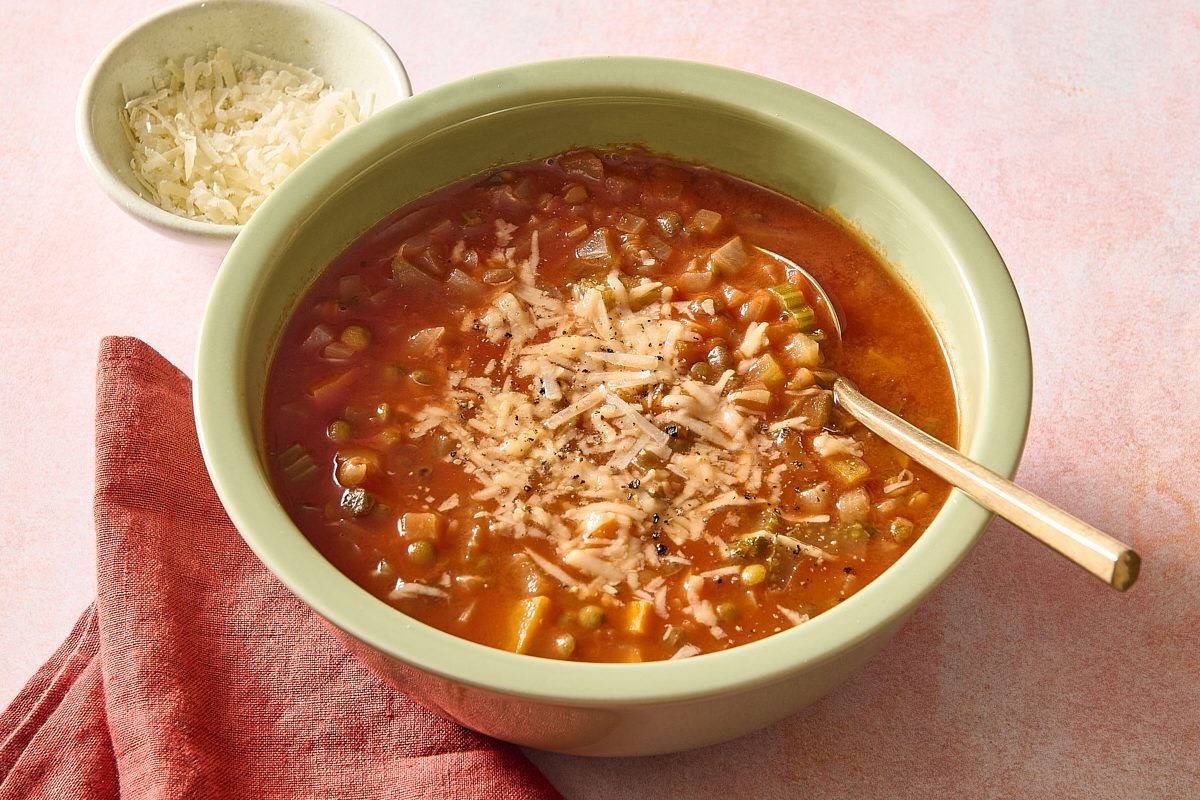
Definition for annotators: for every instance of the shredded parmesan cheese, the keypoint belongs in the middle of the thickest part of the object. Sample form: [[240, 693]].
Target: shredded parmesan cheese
[[215, 137], [572, 435], [903, 480], [828, 445]]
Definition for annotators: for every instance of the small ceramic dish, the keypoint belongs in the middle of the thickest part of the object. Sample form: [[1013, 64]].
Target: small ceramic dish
[[342, 49], [767, 132]]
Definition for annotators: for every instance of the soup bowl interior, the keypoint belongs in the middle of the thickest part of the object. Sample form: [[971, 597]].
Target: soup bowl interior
[[751, 127]]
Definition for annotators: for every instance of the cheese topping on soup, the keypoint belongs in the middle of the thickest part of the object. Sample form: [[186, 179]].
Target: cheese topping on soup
[[570, 409]]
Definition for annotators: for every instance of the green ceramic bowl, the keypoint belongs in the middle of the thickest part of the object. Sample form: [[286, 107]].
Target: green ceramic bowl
[[767, 132]]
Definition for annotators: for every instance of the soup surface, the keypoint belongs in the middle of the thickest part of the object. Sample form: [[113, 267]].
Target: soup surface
[[569, 409]]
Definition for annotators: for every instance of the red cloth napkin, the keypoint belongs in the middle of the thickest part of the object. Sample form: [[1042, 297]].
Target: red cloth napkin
[[196, 674]]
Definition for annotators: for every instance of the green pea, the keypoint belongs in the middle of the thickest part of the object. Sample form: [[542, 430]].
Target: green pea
[[564, 645], [754, 574], [338, 431], [726, 611], [591, 617], [901, 529], [422, 552], [701, 371], [356, 337]]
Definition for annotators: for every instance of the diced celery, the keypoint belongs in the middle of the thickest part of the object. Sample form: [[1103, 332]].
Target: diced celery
[[582, 286], [854, 532], [297, 464], [794, 303]]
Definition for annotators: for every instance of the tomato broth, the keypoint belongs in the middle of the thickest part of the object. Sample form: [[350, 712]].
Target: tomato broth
[[569, 409]]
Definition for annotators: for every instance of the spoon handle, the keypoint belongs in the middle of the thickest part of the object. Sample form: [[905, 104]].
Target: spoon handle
[[1100, 554]]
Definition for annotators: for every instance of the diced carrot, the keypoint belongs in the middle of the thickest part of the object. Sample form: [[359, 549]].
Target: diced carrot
[[849, 470], [637, 616], [527, 617]]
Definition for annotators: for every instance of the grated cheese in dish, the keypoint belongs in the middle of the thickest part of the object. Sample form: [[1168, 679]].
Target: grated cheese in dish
[[216, 137]]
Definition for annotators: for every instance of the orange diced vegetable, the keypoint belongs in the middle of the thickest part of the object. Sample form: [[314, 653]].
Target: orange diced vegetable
[[638, 615], [527, 617], [849, 470]]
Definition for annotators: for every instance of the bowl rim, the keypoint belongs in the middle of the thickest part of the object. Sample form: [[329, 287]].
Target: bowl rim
[[119, 191], [231, 454]]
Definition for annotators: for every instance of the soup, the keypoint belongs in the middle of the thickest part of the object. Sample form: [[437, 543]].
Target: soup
[[570, 409]]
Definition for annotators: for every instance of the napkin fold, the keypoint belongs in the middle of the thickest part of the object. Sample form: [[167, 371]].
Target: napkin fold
[[196, 674]]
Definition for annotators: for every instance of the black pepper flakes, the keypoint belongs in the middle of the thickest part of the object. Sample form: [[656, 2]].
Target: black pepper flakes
[[660, 548], [654, 519], [848, 570], [635, 483]]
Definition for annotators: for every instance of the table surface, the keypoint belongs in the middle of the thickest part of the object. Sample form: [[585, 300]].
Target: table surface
[[1072, 133]]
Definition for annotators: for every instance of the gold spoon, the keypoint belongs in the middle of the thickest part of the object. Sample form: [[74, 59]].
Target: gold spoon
[[1110, 560]]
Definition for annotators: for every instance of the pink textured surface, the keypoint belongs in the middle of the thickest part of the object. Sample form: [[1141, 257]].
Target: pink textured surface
[[1071, 131]]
